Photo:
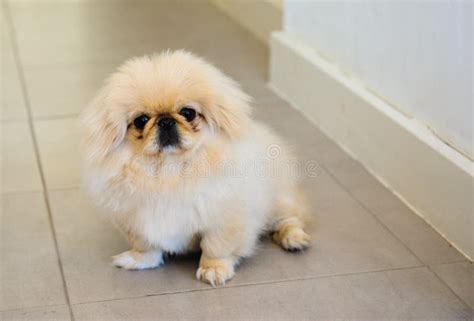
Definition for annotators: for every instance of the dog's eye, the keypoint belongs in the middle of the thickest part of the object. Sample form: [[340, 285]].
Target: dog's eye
[[188, 113], [141, 121]]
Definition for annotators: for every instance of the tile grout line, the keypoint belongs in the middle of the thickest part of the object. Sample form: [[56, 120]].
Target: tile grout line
[[36, 307], [455, 262], [55, 116], [11, 29], [427, 266], [289, 280], [447, 285], [30, 191], [184, 291], [37, 191]]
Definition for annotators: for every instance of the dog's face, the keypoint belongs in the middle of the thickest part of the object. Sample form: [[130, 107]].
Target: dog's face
[[173, 126], [169, 104]]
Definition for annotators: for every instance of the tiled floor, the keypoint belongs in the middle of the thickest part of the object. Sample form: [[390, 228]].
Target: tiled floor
[[372, 258]]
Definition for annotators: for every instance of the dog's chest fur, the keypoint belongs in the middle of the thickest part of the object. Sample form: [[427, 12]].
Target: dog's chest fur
[[171, 219]]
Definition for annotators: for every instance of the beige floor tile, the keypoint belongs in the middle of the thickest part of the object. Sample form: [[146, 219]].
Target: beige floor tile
[[460, 277], [397, 295], [377, 198], [89, 32], [426, 243], [347, 240], [58, 141], [362, 185], [301, 135], [64, 90], [60, 313], [96, 32], [30, 274], [18, 161], [12, 104], [259, 92]]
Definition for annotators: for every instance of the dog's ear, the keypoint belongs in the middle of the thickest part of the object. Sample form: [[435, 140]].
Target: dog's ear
[[230, 110], [103, 127]]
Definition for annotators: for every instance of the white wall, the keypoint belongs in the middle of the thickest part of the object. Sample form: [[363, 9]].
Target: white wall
[[417, 55]]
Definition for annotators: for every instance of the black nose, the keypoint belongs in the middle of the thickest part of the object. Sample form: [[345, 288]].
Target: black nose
[[166, 123]]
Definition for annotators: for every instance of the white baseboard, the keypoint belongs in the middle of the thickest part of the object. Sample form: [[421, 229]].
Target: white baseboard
[[260, 17], [429, 176]]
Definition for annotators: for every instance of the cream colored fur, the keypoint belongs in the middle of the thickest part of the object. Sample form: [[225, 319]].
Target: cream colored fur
[[231, 179]]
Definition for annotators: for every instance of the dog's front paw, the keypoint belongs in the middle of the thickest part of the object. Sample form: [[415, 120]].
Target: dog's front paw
[[134, 260], [215, 271]]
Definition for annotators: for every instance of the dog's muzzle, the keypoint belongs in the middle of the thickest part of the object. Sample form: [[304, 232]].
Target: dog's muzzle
[[168, 132]]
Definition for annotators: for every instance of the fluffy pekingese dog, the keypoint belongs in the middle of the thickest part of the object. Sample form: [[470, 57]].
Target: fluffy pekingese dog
[[170, 148]]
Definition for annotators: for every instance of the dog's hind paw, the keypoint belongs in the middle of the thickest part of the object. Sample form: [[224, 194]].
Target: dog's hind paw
[[292, 238]]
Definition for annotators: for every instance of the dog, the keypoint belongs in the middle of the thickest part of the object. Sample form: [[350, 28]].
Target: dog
[[171, 150]]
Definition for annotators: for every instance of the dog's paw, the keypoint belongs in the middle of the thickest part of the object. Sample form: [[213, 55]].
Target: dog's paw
[[133, 260], [215, 271], [292, 239]]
